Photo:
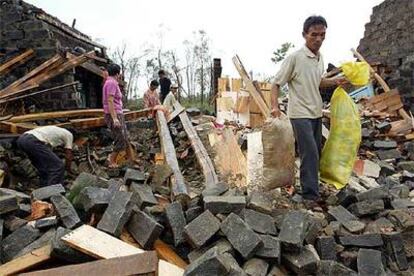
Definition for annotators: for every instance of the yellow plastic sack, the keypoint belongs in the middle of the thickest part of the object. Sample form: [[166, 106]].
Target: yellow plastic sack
[[356, 72], [341, 148]]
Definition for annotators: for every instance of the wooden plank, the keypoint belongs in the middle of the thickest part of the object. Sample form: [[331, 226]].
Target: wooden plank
[[91, 67], [178, 109], [145, 263], [30, 75], [229, 159], [254, 160], [210, 176], [58, 114], [20, 59], [98, 244], [264, 109], [23, 263], [16, 128], [236, 84], [256, 120], [179, 190]]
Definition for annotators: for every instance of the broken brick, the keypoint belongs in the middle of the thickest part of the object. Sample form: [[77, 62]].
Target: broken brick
[[222, 246], [8, 203], [260, 202], [302, 263], [260, 223], [142, 195], [224, 204], [18, 240], [216, 190], [394, 245], [326, 248], [65, 211], [117, 214], [176, 220], [45, 193], [132, 175], [370, 262], [293, 230], [332, 268], [364, 240], [144, 229], [241, 236], [270, 249], [256, 267], [192, 213], [93, 199], [201, 229]]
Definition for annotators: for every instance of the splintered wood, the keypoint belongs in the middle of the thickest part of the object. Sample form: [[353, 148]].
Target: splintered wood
[[229, 159]]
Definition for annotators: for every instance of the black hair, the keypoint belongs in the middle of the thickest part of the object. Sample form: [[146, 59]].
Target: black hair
[[113, 69], [312, 21], [154, 83], [161, 72]]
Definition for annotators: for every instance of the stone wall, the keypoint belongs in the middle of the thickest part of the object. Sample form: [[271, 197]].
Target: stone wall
[[20, 29], [389, 39]]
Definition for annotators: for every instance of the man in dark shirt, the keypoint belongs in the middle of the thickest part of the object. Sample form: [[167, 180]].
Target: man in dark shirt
[[165, 84]]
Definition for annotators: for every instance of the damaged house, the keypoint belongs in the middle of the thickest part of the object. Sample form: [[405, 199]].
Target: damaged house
[[43, 57]]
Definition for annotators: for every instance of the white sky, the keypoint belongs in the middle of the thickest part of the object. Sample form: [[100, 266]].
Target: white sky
[[252, 29]]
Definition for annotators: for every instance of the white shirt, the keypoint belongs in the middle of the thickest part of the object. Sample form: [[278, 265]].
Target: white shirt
[[53, 135]]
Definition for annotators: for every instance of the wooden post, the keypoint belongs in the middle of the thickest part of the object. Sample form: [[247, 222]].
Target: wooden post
[[179, 190]]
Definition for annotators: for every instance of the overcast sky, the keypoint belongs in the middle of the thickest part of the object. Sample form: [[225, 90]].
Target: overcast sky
[[252, 29]]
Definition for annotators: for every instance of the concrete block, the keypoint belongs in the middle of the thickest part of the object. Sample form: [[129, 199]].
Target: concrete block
[[201, 229], [303, 263], [326, 247], [18, 240], [117, 214], [293, 230], [66, 212], [224, 204], [271, 248], [142, 195], [241, 236], [364, 240], [370, 262], [132, 175], [256, 267]]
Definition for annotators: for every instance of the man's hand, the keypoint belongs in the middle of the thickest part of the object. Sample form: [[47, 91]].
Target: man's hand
[[341, 81], [117, 123], [276, 112]]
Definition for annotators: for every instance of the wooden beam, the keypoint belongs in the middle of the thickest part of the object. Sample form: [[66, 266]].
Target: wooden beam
[[264, 109], [179, 190], [210, 176], [16, 128], [178, 109], [145, 263], [20, 59], [91, 67], [58, 114], [98, 244], [12, 87], [27, 261]]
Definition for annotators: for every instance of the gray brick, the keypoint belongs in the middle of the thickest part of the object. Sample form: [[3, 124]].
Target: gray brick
[[332, 268], [142, 195], [224, 204], [40, 242], [222, 246], [66, 211], [270, 249], [364, 240], [201, 229], [144, 229], [303, 263], [326, 248], [21, 197], [47, 192], [18, 240], [260, 202], [176, 221], [217, 190], [132, 175], [293, 231], [62, 251], [45, 223], [374, 193], [259, 222], [367, 207], [378, 144], [117, 214], [395, 249], [388, 154], [256, 267], [241, 236], [93, 199], [370, 262], [401, 219], [8, 203], [192, 213]]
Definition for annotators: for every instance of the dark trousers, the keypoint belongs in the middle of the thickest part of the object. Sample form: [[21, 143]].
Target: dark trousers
[[49, 165], [308, 134]]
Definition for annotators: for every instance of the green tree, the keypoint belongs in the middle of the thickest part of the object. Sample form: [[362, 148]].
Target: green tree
[[281, 52]]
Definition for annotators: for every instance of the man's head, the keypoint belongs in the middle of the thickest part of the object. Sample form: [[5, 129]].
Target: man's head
[[161, 74], [314, 30], [153, 85], [114, 70], [174, 88]]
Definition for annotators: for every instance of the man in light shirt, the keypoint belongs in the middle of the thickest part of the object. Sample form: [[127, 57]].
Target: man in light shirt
[[170, 100], [38, 144], [302, 71]]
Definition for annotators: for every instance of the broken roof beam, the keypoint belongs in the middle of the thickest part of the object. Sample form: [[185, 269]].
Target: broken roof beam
[[20, 59], [254, 92], [68, 30], [210, 176], [179, 190], [57, 114], [16, 128], [91, 67]]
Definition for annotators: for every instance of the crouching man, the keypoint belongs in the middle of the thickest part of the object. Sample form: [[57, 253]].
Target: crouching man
[[38, 144]]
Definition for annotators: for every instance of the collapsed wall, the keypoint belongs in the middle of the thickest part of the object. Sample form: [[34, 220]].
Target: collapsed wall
[[24, 26], [389, 39]]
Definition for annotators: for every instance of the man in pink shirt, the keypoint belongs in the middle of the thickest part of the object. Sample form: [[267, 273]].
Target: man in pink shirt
[[114, 116]]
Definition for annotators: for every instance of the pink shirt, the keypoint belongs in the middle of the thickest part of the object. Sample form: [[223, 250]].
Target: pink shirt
[[111, 88]]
